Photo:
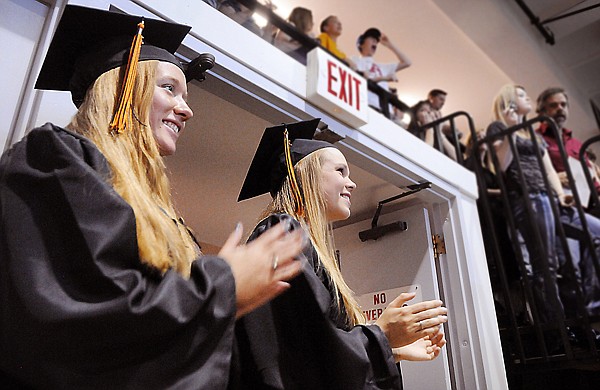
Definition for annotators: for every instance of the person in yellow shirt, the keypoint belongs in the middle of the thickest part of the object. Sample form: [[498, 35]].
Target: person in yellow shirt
[[331, 29]]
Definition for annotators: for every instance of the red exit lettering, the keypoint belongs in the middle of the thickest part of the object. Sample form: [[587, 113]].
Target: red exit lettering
[[343, 85]]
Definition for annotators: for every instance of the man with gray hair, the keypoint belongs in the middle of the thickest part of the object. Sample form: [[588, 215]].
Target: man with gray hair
[[554, 103]]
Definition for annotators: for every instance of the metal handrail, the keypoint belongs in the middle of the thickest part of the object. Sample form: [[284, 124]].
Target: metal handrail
[[594, 204], [455, 139], [517, 356]]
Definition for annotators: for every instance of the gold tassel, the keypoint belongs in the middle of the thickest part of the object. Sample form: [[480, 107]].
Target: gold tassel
[[292, 175], [122, 117]]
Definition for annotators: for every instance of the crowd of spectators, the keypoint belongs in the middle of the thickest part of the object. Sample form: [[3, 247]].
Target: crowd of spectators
[[382, 97], [558, 244]]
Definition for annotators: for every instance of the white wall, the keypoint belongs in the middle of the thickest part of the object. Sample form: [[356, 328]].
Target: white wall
[[519, 50], [21, 23]]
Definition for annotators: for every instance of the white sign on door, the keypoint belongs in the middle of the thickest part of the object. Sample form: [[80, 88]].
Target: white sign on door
[[374, 303]]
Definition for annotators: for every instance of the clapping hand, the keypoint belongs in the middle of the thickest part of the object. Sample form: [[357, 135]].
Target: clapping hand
[[404, 324], [261, 268], [426, 348]]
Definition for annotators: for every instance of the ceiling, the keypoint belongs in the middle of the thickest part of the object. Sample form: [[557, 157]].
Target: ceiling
[[508, 37], [577, 39]]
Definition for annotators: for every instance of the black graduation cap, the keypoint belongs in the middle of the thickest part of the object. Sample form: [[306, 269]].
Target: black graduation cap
[[89, 42], [268, 168]]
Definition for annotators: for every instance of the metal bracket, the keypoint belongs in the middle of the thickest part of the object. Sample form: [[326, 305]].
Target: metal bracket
[[379, 231], [439, 245]]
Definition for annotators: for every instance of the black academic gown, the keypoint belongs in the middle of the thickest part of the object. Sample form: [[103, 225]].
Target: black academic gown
[[301, 341], [77, 308]]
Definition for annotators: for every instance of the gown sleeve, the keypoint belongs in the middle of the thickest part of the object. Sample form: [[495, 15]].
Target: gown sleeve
[[296, 339], [78, 309]]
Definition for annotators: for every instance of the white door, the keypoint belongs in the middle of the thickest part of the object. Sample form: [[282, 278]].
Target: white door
[[378, 270]]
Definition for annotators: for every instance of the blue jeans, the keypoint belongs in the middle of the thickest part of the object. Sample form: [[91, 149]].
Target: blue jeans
[[541, 253]]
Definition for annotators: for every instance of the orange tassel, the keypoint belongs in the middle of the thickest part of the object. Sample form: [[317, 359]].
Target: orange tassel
[[292, 174], [122, 117]]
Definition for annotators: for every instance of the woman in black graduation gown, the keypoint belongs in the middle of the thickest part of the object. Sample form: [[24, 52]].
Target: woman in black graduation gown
[[314, 335], [101, 284]]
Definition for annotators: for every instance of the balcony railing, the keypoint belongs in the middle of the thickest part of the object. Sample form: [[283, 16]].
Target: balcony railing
[[386, 98], [526, 339]]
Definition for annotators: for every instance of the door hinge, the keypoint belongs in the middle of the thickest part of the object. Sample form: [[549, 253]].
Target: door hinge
[[439, 245]]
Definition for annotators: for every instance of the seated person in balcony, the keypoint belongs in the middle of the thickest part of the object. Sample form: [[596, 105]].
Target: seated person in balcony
[[437, 99], [302, 19], [378, 72], [594, 168], [553, 102], [331, 29], [421, 114], [241, 14]]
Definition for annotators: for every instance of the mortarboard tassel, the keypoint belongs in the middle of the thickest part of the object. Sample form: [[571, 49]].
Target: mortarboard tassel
[[122, 116], [292, 175]]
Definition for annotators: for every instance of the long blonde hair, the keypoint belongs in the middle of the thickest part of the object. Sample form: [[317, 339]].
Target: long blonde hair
[[138, 172], [308, 171], [504, 97]]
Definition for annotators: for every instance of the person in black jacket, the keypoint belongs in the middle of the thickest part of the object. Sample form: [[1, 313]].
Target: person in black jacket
[[314, 336], [101, 283]]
